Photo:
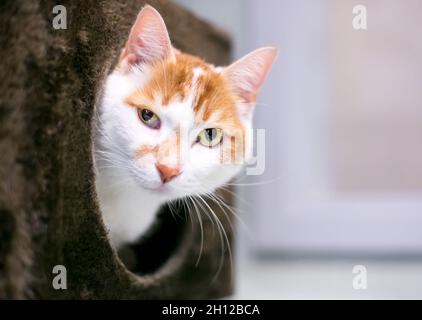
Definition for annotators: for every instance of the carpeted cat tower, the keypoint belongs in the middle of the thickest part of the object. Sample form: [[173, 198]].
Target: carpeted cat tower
[[49, 214]]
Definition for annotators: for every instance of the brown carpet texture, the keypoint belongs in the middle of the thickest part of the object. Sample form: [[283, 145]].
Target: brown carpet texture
[[49, 214]]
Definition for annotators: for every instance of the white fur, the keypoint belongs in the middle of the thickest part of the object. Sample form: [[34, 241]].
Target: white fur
[[129, 188]]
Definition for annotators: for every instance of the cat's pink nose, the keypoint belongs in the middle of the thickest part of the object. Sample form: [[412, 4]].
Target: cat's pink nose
[[167, 173]]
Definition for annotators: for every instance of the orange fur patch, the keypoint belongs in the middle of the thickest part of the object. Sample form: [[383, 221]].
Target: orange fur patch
[[171, 79], [144, 150], [214, 101]]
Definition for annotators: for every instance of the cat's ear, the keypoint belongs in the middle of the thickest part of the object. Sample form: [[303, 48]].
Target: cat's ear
[[248, 74], [149, 40]]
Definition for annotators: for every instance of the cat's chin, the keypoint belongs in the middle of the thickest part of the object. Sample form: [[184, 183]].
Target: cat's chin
[[163, 190], [172, 190], [168, 192]]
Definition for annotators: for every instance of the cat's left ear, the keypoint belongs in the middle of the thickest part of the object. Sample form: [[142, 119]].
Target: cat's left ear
[[247, 75], [149, 40]]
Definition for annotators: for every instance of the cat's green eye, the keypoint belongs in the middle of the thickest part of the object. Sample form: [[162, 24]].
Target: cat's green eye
[[210, 137], [149, 118]]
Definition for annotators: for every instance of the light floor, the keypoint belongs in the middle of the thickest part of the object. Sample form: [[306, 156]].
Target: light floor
[[326, 279]]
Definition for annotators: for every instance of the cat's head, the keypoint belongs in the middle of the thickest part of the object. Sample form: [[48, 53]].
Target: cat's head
[[174, 123]]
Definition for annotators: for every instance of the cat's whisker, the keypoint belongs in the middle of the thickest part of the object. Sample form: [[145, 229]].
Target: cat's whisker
[[188, 209], [216, 201], [252, 183], [202, 230], [111, 163], [207, 214], [215, 197], [225, 243], [170, 205], [221, 203], [110, 158], [116, 147], [235, 195]]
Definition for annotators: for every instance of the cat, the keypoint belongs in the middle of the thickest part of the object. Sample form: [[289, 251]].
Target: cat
[[169, 126]]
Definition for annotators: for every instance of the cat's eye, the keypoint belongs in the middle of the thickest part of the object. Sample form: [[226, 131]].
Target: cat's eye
[[210, 137], [149, 118]]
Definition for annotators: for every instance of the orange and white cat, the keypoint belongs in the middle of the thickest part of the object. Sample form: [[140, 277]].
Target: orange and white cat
[[169, 125]]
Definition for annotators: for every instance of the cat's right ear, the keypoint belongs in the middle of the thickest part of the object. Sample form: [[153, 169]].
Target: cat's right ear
[[148, 41], [248, 74]]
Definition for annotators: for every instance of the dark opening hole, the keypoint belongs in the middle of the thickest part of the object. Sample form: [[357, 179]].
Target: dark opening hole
[[158, 245]]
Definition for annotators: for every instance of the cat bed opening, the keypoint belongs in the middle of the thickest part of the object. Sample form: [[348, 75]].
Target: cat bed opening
[[47, 189], [165, 240]]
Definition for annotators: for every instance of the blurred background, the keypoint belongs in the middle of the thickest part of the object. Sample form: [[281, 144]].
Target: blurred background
[[342, 113]]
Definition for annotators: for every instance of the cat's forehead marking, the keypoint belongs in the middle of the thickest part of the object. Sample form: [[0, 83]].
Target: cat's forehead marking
[[174, 79], [215, 101], [190, 80]]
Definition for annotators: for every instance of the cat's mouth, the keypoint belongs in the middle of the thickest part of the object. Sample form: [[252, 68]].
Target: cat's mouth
[[171, 191], [162, 188], [167, 189]]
